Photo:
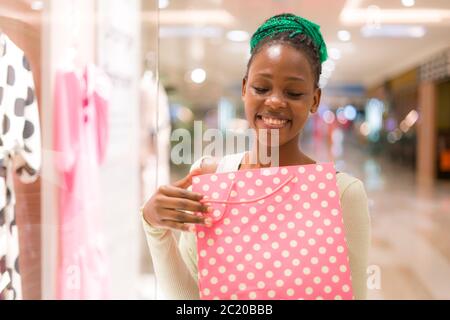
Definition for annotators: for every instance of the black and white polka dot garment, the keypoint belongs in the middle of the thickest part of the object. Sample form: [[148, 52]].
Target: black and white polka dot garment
[[20, 140]]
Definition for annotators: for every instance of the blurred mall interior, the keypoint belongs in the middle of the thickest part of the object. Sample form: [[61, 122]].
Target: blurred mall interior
[[152, 67]]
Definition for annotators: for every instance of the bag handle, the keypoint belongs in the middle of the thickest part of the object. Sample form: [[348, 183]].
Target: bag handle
[[230, 189]]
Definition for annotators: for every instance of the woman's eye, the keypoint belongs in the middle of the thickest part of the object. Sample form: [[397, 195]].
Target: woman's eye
[[295, 94], [260, 90]]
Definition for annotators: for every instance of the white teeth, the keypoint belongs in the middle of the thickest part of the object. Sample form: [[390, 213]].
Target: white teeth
[[272, 121]]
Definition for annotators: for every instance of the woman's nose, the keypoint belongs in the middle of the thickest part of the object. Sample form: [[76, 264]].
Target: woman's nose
[[275, 101]]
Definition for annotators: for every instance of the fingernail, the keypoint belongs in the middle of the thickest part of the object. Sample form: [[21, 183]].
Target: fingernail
[[210, 209], [192, 229], [208, 222]]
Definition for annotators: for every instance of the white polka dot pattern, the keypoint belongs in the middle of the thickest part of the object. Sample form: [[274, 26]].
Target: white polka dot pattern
[[287, 242]]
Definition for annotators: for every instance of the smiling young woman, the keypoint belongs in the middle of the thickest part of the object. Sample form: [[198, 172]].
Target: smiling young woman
[[280, 90]]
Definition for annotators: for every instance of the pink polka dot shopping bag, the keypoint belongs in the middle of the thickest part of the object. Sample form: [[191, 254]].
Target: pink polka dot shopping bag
[[278, 233]]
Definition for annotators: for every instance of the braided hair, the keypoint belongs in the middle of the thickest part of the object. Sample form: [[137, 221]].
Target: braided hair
[[295, 31]]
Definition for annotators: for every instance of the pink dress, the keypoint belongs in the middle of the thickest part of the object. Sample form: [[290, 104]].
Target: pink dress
[[81, 134]]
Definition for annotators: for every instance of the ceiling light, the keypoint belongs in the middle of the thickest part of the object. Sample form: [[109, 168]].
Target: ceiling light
[[350, 112], [334, 53], [344, 35], [163, 4], [37, 5], [328, 117], [238, 35], [341, 116], [198, 76], [184, 114], [408, 3], [364, 129], [190, 32], [417, 32], [394, 16], [190, 17], [412, 118], [394, 31], [404, 126]]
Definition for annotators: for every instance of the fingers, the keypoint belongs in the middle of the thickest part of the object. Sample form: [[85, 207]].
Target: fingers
[[187, 181], [184, 204], [182, 221], [177, 192], [183, 217], [209, 165], [170, 201]]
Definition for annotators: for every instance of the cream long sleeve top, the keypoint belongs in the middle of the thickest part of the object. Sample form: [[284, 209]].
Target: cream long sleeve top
[[175, 262]]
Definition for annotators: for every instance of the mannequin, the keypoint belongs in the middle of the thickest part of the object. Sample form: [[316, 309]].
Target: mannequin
[[20, 152]]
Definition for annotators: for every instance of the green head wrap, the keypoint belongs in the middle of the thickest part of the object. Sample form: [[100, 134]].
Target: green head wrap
[[296, 25]]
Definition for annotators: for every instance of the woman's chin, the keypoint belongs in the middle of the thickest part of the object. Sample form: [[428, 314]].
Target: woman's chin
[[271, 143]]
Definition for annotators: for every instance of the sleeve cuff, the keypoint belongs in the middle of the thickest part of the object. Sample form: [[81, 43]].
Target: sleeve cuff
[[149, 229]]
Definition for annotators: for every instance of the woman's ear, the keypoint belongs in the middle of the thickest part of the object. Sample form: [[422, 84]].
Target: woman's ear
[[244, 87], [317, 96]]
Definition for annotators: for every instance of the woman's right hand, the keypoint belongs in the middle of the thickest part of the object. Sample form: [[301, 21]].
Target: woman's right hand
[[163, 210]]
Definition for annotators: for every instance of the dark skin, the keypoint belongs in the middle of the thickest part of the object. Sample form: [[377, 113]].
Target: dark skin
[[281, 85], [279, 92]]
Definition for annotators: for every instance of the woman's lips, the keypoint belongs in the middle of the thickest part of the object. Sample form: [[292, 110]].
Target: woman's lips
[[267, 122]]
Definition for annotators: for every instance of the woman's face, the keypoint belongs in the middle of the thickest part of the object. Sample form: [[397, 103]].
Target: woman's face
[[280, 92]]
